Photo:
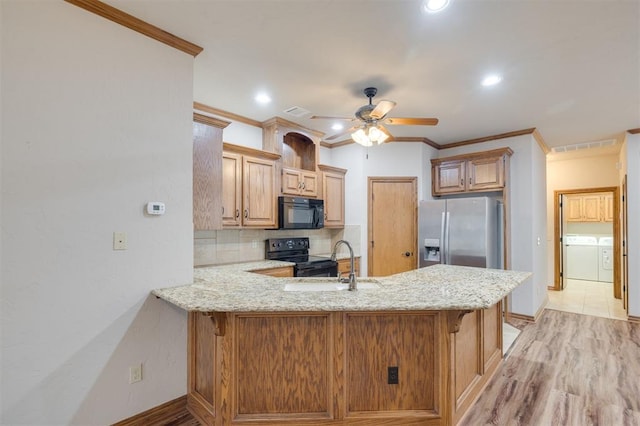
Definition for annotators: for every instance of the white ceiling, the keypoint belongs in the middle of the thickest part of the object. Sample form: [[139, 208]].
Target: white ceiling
[[571, 68]]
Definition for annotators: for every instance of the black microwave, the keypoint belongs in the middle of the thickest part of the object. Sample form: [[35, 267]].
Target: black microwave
[[300, 213]]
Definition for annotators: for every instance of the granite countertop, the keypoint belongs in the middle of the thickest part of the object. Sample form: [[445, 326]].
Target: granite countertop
[[232, 288]]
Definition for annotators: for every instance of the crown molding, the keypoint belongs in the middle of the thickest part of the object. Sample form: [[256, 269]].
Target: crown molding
[[138, 25], [226, 114]]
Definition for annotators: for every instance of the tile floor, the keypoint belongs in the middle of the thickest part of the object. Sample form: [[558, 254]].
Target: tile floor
[[588, 298]]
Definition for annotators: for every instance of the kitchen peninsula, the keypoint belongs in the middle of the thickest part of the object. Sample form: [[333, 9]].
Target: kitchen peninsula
[[413, 348]]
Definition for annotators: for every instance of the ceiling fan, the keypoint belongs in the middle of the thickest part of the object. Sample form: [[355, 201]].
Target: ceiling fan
[[373, 117]]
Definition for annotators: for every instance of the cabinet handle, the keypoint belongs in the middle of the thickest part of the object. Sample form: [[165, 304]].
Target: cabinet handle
[[407, 254], [222, 209], [303, 185], [325, 216], [461, 181], [299, 185], [246, 213], [237, 213]]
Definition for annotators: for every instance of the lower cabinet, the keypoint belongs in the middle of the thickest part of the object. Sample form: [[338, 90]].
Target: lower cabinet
[[340, 368], [344, 266], [283, 272]]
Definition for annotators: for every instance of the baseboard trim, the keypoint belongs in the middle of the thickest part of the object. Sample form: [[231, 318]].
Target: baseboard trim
[[527, 318], [633, 319], [163, 414]]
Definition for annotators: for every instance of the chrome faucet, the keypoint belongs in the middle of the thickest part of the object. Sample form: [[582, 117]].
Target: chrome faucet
[[352, 273]]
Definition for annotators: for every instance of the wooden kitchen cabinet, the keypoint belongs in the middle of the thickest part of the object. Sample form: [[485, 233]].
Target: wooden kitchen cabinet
[[282, 272], [207, 172], [344, 267], [299, 183], [478, 172], [333, 195], [597, 207], [249, 190]]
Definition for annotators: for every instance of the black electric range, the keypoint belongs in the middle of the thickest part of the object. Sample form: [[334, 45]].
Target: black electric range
[[296, 250]]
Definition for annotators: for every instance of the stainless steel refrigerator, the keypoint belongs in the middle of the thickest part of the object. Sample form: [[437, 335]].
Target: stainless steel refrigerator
[[461, 231]]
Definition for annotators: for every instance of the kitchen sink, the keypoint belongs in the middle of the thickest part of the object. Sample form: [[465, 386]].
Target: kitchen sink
[[329, 284]]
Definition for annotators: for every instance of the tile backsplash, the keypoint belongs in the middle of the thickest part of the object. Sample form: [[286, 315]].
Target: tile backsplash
[[246, 245]]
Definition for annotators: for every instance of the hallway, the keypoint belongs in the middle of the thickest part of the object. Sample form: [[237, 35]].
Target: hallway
[[588, 298]]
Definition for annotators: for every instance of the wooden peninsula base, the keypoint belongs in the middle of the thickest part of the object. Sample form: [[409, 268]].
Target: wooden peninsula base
[[326, 368]]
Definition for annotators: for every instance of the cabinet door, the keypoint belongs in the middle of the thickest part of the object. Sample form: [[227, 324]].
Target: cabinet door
[[309, 184], [591, 208], [259, 192], [485, 173], [207, 202], [333, 193], [448, 177], [291, 182], [573, 208], [231, 189], [607, 200]]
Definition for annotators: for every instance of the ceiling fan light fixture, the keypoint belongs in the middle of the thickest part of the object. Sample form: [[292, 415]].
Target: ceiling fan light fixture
[[434, 6], [360, 137]]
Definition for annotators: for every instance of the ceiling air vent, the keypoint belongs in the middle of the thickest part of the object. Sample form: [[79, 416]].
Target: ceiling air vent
[[296, 111], [585, 145]]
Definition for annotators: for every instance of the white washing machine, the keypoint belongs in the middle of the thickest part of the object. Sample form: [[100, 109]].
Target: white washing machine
[[605, 259], [582, 257]]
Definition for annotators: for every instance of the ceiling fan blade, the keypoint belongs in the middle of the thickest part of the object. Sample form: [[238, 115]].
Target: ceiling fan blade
[[328, 117], [382, 109], [337, 135], [412, 121]]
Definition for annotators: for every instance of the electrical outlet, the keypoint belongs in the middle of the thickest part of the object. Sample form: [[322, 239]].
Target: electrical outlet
[[135, 373], [392, 375], [119, 240]]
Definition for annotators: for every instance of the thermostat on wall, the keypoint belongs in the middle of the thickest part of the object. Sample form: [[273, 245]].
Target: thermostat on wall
[[155, 207]]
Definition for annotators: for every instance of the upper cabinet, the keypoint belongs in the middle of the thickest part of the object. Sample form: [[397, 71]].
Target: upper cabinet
[[249, 190], [298, 147], [477, 172], [207, 172], [333, 195], [596, 207]]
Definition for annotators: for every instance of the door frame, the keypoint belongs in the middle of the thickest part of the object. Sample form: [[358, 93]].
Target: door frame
[[557, 238], [370, 181]]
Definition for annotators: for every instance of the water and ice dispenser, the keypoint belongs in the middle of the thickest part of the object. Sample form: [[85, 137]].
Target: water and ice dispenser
[[431, 251]]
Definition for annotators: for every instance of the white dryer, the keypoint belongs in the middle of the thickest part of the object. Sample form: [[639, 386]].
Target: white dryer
[[582, 257], [605, 259]]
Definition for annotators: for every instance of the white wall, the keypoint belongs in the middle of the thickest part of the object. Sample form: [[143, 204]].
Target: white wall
[[243, 134], [96, 121], [527, 204], [633, 221]]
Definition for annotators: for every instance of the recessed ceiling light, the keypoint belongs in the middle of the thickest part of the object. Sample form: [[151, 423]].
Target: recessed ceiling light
[[263, 98], [491, 80], [433, 6], [337, 126]]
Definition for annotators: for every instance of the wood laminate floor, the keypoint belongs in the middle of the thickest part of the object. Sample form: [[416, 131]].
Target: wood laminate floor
[[566, 369]]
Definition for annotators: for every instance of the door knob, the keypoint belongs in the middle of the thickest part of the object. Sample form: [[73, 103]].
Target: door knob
[[407, 253]]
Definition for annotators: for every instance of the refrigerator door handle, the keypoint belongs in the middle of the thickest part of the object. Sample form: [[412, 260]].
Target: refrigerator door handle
[[442, 234], [446, 254]]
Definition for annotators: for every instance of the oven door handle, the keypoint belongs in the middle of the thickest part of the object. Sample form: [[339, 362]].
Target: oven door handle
[[316, 217]]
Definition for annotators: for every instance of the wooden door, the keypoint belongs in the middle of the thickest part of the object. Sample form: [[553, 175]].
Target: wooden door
[[393, 221], [258, 192], [607, 208], [231, 189], [291, 182]]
